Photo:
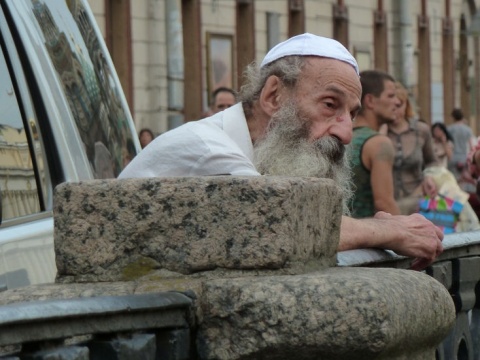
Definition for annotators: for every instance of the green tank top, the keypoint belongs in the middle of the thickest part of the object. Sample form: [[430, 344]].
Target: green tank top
[[362, 204]]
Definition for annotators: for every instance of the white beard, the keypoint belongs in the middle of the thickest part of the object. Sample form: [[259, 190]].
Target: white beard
[[285, 150]]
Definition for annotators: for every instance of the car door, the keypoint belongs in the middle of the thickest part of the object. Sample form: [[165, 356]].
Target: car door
[[63, 117], [26, 246]]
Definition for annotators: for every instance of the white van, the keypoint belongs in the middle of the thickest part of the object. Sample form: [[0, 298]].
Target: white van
[[63, 117]]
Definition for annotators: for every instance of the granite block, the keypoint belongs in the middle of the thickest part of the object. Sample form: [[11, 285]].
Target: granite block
[[339, 313], [110, 230]]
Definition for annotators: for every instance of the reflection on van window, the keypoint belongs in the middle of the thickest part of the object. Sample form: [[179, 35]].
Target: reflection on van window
[[18, 187], [88, 84]]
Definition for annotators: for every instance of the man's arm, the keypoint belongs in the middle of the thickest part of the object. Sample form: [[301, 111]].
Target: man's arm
[[378, 155], [412, 236]]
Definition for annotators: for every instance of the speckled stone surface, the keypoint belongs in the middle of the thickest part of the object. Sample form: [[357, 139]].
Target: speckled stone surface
[[109, 230], [336, 313], [339, 313]]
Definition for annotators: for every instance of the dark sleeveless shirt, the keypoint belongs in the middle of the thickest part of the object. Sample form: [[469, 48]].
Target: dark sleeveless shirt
[[362, 204]]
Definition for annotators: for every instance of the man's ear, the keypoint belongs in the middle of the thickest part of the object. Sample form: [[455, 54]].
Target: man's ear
[[271, 95], [368, 101]]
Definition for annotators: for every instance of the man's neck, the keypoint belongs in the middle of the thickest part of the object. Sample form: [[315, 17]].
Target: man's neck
[[367, 120]]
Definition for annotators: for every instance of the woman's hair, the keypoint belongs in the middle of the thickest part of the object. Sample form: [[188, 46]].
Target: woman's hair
[[444, 129], [402, 94], [145, 130]]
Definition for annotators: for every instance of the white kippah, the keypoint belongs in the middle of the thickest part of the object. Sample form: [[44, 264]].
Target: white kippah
[[310, 45]]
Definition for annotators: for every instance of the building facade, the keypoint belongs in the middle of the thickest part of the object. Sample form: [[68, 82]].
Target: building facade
[[171, 54]]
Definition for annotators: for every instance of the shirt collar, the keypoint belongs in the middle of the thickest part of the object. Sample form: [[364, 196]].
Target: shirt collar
[[235, 125]]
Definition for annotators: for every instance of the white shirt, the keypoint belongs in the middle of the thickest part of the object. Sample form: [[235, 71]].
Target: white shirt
[[218, 145]]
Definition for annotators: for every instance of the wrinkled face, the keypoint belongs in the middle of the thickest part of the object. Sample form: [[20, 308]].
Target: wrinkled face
[[307, 135], [386, 106], [223, 100], [328, 96]]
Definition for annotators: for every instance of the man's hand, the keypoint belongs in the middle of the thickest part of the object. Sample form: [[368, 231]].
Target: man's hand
[[413, 236]]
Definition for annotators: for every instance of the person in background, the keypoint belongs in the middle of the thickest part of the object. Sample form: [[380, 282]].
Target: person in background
[[294, 119], [463, 143], [146, 137], [222, 98], [473, 166], [372, 153], [413, 145], [473, 161], [445, 181], [442, 143]]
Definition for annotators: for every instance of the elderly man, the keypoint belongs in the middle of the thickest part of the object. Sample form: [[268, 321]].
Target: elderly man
[[295, 118]]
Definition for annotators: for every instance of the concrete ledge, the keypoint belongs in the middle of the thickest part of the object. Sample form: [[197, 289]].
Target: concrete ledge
[[123, 229], [339, 313]]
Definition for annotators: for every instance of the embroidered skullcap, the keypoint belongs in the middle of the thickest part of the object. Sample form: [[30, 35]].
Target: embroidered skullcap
[[310, 45]]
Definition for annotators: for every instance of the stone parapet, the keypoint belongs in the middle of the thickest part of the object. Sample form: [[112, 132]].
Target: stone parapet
[[250, 262], [122, 229], [339, 313], [336, 313]]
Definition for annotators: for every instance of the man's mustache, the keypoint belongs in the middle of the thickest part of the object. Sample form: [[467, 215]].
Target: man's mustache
[[331, 147]]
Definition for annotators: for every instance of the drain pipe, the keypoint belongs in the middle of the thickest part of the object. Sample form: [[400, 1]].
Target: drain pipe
[[406, 50], [175, 61]]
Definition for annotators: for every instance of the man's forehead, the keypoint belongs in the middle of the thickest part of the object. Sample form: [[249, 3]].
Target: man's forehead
[[389, 85], [325, 61], [334, 75], [224, 95]]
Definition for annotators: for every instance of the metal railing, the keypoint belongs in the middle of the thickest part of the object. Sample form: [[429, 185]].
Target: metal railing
[[148, 326]]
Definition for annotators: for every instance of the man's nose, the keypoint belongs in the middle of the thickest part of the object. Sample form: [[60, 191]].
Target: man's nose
[[339, 127], [342, 127]]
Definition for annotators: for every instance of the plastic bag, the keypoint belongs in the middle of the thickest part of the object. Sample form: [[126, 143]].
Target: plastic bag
[[442, 211]]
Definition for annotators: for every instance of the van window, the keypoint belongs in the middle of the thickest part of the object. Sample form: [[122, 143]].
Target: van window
[[18, 187], [89, 86]]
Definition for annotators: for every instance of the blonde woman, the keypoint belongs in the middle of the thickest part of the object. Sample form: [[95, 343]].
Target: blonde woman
[[413, 153]]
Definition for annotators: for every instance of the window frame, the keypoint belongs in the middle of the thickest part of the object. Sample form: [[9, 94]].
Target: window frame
[[24, 98]]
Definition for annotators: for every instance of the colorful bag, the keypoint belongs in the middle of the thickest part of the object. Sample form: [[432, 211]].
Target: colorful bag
[[442, 211]]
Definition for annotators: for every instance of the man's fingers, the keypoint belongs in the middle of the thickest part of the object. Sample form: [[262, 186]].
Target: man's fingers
[[439, 233], [439, 248], [382, 215], [419, 264]]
